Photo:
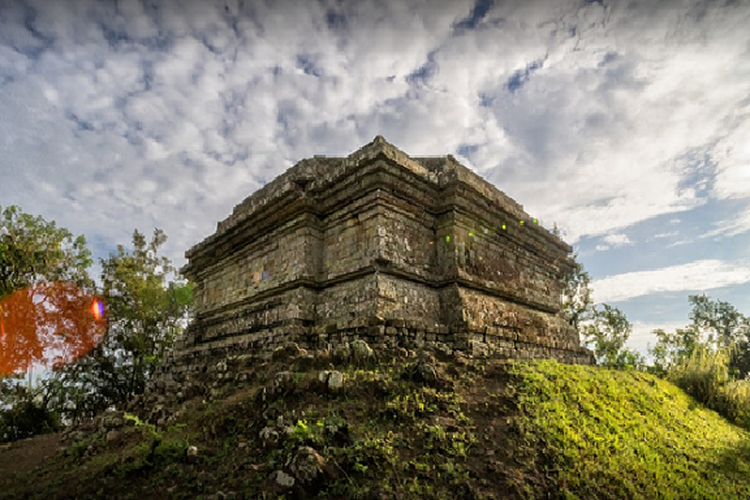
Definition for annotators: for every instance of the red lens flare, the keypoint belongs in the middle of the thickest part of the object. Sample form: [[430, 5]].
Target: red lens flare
[[97, 309], [50, 325]]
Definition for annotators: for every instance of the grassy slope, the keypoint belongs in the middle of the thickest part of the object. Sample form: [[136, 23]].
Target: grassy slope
[[613, 434], [538, 430]]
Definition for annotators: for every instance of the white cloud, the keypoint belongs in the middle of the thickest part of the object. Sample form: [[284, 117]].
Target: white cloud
[[614, 241], [738, 224], [184, 110], [641, 336], [667, 234], [618, 240], [700, 276]]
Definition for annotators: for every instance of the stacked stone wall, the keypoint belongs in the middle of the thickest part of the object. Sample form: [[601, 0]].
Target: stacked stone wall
[[353, 300], [407, 236], [411, 301], [275, 259], [495, 318], [487, 256]]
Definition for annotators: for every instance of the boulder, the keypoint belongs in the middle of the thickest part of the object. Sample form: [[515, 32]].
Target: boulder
[[331, 380], [192, 454], [269, 437], [282, 479], [361, 351], [335, 381], [306, 465]]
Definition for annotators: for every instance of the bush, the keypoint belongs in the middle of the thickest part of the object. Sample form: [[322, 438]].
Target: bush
[[705, 376], [25, 419], [734, 402]]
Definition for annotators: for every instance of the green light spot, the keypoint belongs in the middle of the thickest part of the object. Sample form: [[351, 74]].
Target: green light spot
[[535, 221], [447, 238]]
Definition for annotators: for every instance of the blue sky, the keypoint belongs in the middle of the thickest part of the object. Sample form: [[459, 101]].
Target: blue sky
[[625, 123]]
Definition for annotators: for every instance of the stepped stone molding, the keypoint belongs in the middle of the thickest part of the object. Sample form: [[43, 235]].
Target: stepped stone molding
[[382, 247]]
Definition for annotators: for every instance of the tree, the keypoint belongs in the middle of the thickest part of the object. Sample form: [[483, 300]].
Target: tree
[[145, 311], [715, 325], [34, 251], [607, 333], [673, 349], [44, 284], [723, 326], [577, 302], [43, 272]]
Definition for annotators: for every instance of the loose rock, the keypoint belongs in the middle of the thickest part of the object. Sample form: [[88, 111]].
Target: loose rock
[[361, 351], [192, 454], [306, 464], [283, 479], [335, 381]]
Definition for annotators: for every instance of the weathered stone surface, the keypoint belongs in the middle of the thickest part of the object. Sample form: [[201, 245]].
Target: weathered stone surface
[[378, 247], [283, 479], [335, 380], [361, 351], [269, 437], [306, 465]]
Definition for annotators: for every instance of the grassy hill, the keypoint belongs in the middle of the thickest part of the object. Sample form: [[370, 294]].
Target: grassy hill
[[404, 427]]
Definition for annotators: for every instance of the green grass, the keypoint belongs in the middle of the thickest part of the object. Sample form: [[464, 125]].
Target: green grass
[[626, 434]]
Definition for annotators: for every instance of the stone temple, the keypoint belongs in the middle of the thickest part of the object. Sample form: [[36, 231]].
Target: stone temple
[[382, 247]]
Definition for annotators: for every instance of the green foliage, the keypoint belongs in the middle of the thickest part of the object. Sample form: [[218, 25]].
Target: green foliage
[[604, 328], [577, 303], [145, 311], [673, 349], [607, 333], [725, 327], [33, 251], [705, 375], [26, 415], [715, 325], [733, 401], [308, 434], [720, 321], [565, 431]]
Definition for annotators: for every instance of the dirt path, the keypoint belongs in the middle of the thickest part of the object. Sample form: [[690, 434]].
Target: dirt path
[[25, 455]]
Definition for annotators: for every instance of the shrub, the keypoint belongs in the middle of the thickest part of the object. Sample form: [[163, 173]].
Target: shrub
[[25, 419], [703, 374], [734, 402]]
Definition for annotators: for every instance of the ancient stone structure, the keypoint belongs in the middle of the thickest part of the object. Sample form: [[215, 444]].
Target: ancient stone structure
[[382, 247]]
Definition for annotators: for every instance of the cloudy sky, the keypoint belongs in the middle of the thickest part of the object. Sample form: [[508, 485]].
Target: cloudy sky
[[627, 124]]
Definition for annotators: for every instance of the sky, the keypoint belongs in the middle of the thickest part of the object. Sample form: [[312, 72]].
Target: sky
[[626, 124]]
